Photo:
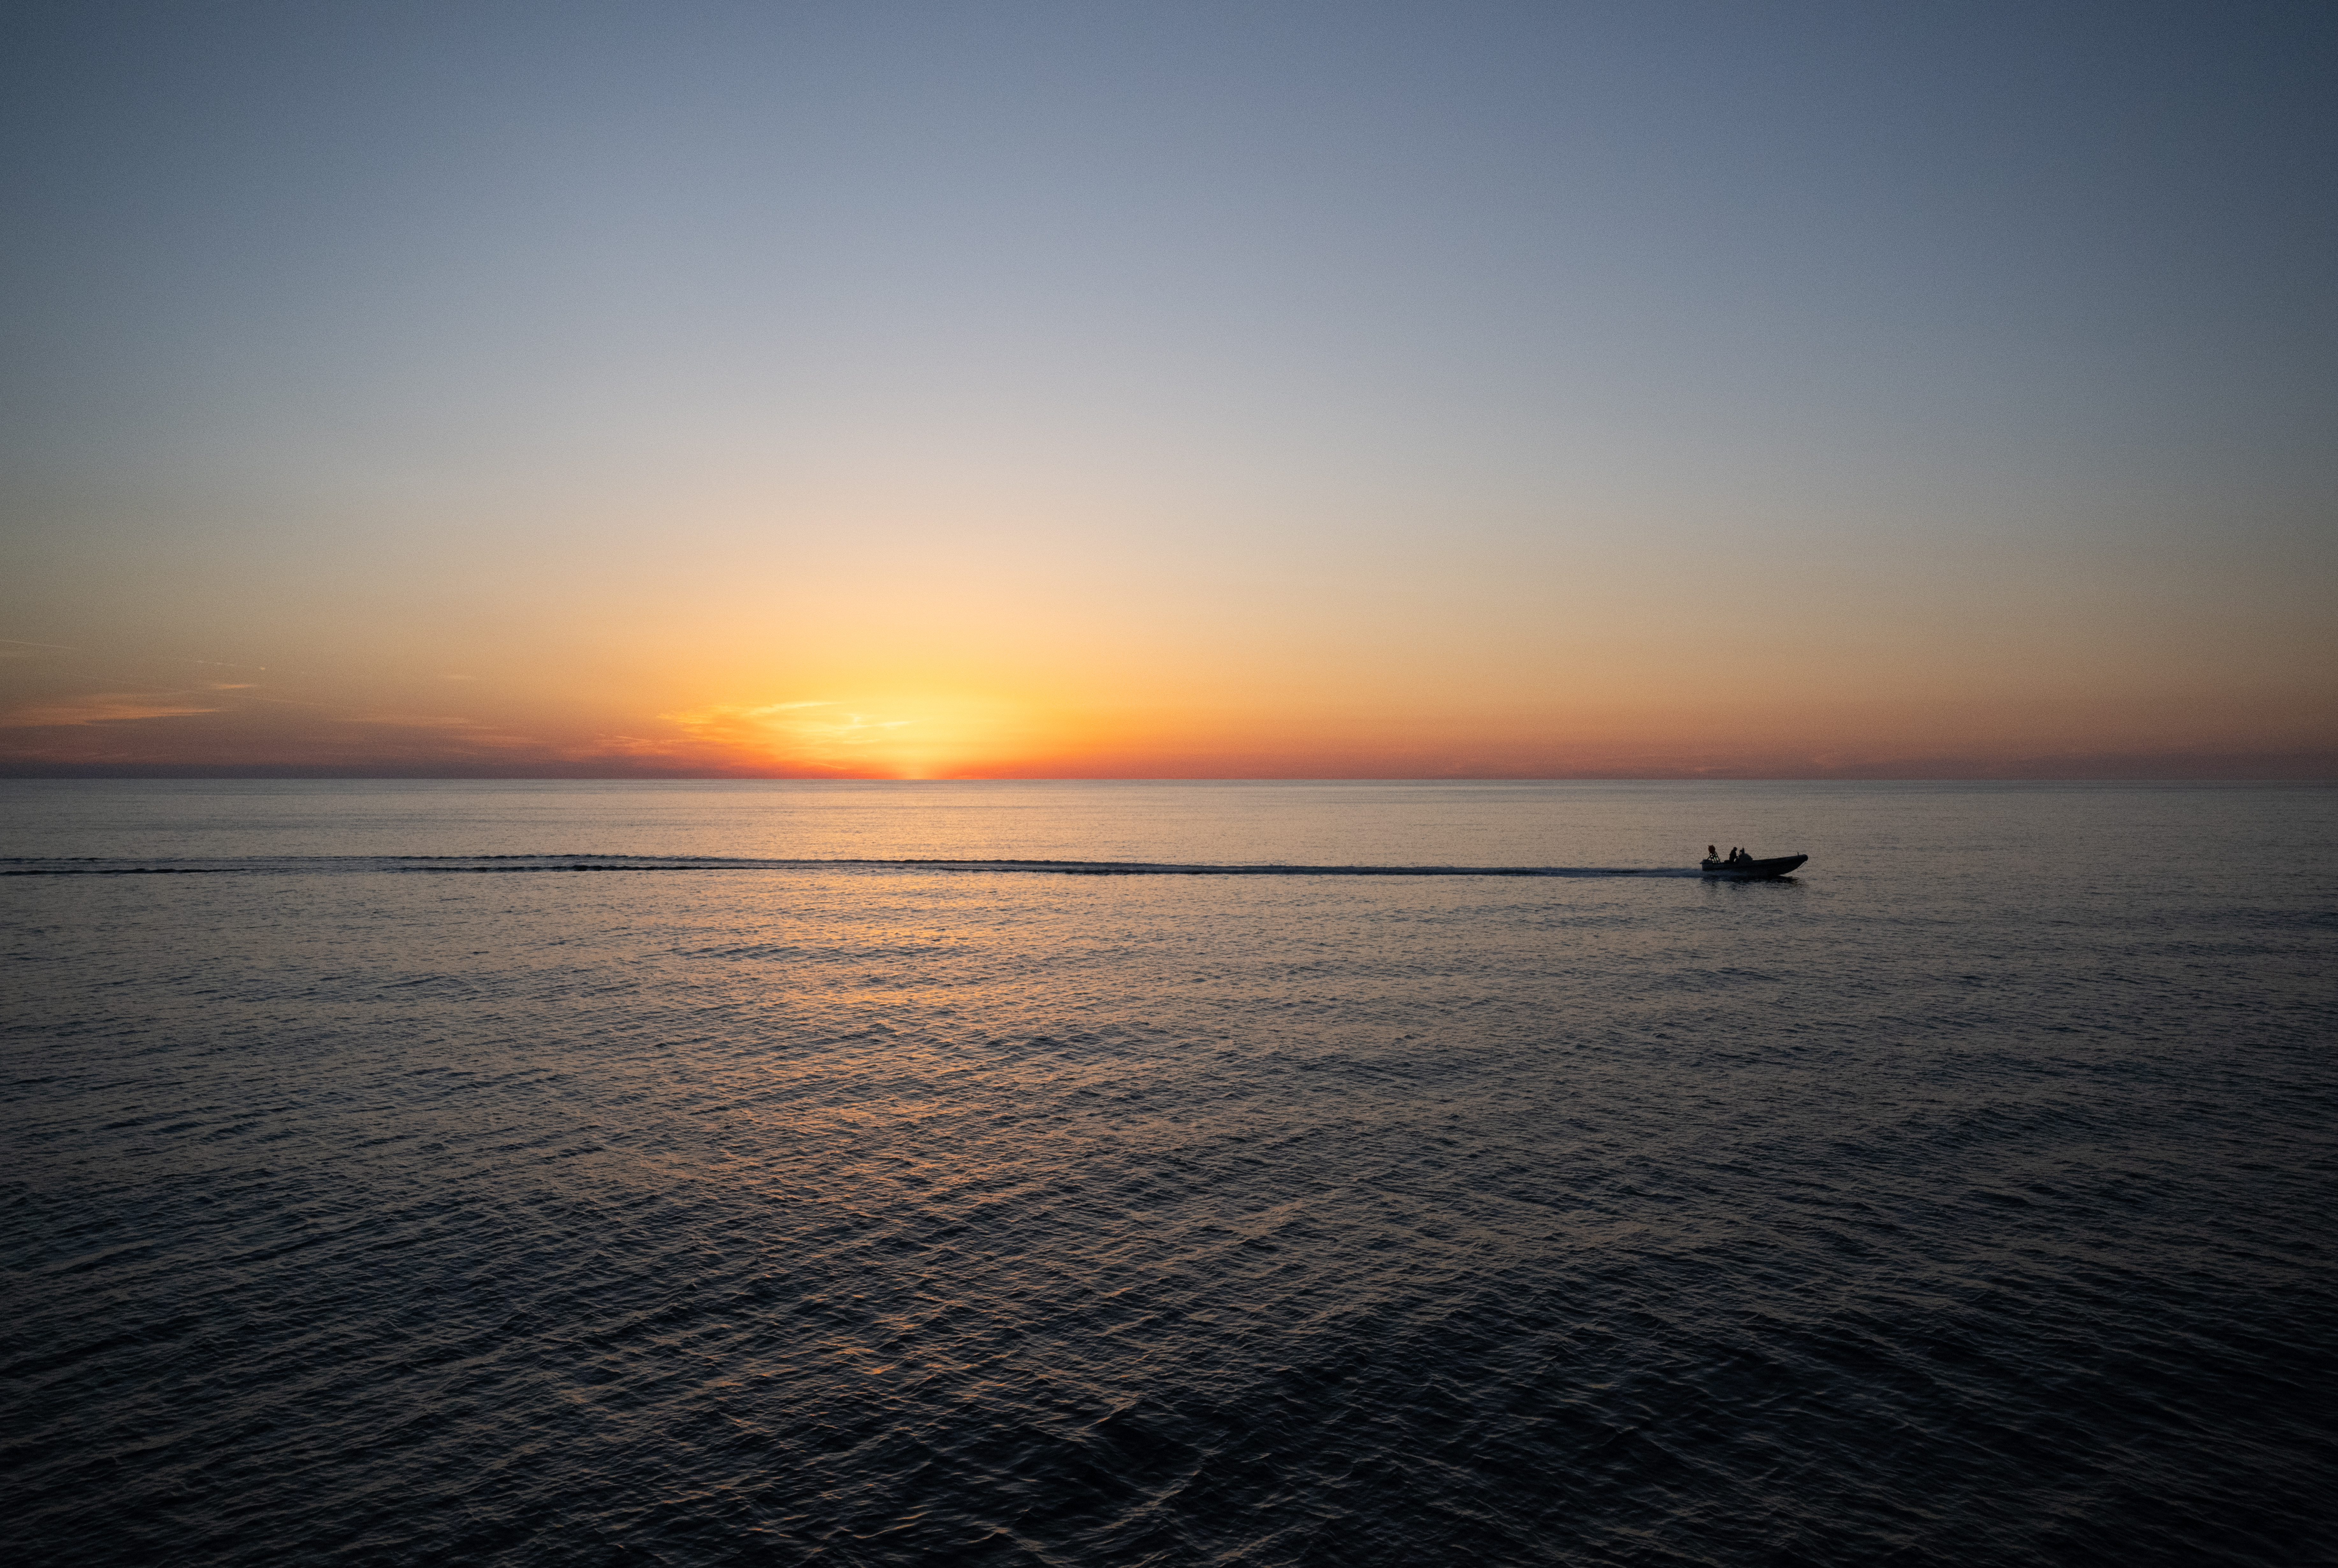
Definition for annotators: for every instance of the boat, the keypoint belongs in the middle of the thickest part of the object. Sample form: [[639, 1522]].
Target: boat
[[1777, 867]]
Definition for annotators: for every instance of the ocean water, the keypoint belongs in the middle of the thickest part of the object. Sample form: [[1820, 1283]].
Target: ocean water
[[577, 1173]]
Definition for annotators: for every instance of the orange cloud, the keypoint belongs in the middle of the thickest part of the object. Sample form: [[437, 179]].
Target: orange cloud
[[99, 708]]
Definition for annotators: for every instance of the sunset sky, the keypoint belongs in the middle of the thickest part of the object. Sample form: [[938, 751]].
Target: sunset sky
[[1629, 389]]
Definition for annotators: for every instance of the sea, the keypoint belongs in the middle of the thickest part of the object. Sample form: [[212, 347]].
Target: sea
[[1165, 1173]]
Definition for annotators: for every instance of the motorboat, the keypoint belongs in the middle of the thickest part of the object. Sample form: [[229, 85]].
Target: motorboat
[[1778, 867]]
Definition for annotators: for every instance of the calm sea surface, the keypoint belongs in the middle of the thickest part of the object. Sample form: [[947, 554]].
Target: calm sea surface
[[578, 1173]]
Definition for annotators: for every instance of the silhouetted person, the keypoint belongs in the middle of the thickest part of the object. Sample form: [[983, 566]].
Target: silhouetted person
[[1711, 853]]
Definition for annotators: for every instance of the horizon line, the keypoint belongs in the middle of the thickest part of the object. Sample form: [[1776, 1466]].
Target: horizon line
[[322, 775]]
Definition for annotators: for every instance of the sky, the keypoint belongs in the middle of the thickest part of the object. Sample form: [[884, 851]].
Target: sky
[[1261, 390]]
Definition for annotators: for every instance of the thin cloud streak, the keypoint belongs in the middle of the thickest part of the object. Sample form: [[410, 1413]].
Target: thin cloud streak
[[110, 708]]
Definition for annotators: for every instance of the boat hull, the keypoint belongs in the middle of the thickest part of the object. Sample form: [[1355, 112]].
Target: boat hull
[[1744, 869]]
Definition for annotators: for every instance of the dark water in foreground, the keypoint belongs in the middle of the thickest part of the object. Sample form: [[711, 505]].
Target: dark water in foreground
[[1965, 1201]]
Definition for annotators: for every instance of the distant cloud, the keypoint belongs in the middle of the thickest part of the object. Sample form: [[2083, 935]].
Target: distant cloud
[[416, 721], [104, 707]]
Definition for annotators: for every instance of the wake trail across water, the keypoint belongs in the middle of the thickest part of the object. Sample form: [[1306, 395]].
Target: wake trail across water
[[314, 864]]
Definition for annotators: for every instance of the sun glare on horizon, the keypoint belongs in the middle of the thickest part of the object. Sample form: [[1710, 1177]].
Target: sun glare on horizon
[[912, 736]]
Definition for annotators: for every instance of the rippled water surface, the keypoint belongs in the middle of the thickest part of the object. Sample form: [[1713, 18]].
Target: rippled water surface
[[381, 1190]]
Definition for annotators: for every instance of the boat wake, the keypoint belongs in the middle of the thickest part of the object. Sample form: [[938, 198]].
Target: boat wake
[[314, 864]]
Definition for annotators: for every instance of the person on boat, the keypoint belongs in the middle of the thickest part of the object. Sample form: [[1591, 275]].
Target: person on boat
[[1711, 853]]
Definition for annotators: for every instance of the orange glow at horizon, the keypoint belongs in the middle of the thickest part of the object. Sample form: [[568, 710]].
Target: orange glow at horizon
[[1275, 698], [914, 736]]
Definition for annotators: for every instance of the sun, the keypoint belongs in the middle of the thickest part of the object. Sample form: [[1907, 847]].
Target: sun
[[891, 735]]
